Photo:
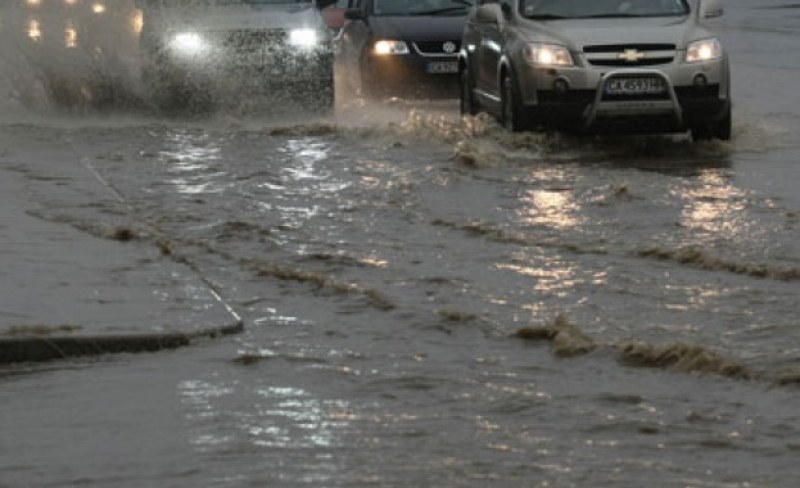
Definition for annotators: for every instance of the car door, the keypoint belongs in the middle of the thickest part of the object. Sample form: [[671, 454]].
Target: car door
[[489, 48]]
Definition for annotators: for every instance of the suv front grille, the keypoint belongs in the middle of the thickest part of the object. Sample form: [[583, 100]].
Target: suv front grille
[[630, 54], [249, 40], [618, 48]]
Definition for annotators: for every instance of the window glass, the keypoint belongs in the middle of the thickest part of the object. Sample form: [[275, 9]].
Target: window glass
[[554, 9], [420, 7]]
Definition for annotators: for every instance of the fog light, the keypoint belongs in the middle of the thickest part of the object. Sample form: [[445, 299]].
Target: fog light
[[700, 80], [561, 85]]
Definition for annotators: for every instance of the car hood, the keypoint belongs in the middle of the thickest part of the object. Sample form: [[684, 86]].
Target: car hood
[[233, 17], [422, 28], [660, 30]]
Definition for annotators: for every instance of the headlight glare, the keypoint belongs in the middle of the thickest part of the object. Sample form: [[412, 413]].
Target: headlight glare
[[303, 37], [387, 47], [547, 54], [703, 50], [189, 44]]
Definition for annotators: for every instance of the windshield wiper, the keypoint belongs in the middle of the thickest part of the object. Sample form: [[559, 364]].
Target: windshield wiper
[[545, 17], [439, 11]]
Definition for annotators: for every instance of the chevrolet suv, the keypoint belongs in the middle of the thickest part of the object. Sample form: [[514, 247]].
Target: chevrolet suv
[[200, 50], [598, 66]]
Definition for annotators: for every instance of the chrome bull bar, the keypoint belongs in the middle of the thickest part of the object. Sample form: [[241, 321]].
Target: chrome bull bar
[[632, 107]]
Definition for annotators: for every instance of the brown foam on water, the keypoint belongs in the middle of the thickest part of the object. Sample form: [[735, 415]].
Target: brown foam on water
[[492, 233], [456, 315], [567, 340], [788, 377], [688, 358], [311, 129], [41, 330], [693, 256], [285, 273]]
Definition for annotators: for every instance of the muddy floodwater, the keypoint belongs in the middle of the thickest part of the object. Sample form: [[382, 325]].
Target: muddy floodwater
[[434, 302]]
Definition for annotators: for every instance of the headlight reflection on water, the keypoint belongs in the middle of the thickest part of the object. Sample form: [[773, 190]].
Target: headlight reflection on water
[[34, 30], [71, 37], [137, 22]]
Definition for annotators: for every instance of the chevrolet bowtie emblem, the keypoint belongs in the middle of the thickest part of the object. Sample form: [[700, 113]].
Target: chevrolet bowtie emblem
[[631, 55]]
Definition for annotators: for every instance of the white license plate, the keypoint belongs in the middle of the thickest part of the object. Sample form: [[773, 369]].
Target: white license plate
[[443, 67], [635, 86]]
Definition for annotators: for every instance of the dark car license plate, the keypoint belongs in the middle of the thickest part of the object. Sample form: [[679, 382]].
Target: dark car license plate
[[635, 86], [443, 67]]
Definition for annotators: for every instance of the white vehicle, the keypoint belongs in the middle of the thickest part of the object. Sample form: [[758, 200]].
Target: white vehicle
[[201, 49], [634, 66]]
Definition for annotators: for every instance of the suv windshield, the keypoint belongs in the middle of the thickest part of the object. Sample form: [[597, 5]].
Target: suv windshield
[[421, 7], [587, 9]]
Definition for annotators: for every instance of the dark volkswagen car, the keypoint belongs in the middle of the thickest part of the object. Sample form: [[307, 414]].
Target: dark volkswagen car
[[402, 47]]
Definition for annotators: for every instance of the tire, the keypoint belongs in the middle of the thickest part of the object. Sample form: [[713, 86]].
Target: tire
[[713, 129], [512, 114], [468, 103], [723, 128]]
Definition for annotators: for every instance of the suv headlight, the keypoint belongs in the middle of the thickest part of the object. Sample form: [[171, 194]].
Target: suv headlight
[[304, 37], [547, 54], [387, 47], [703, 50]]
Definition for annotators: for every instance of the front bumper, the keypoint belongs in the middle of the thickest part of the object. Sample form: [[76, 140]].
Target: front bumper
[[576, 97], [250, 72], [410, 74]]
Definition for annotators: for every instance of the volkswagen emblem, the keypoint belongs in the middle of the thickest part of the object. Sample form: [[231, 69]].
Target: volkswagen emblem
[[449, 47]]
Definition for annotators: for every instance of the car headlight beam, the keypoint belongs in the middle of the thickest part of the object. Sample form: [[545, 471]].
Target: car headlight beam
[[388, 47], [547, 54], [303, 38], [188, 44], [703, 50]]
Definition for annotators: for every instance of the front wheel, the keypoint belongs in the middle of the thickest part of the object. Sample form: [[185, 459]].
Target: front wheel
[[717, 129], [723, 128], [513, 115], [468, 104]]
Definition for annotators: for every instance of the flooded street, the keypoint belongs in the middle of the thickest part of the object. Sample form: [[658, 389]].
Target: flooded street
[[430, 301]]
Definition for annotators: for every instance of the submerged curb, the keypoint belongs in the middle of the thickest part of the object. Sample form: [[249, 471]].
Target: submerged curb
[[49, 348]]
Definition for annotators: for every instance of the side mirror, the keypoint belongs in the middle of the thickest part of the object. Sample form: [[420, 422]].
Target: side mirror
[[354, 14], [488, 13], [709, 9]]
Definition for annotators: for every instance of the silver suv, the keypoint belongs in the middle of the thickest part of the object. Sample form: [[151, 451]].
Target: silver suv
[[621, 66], [198, 50]]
